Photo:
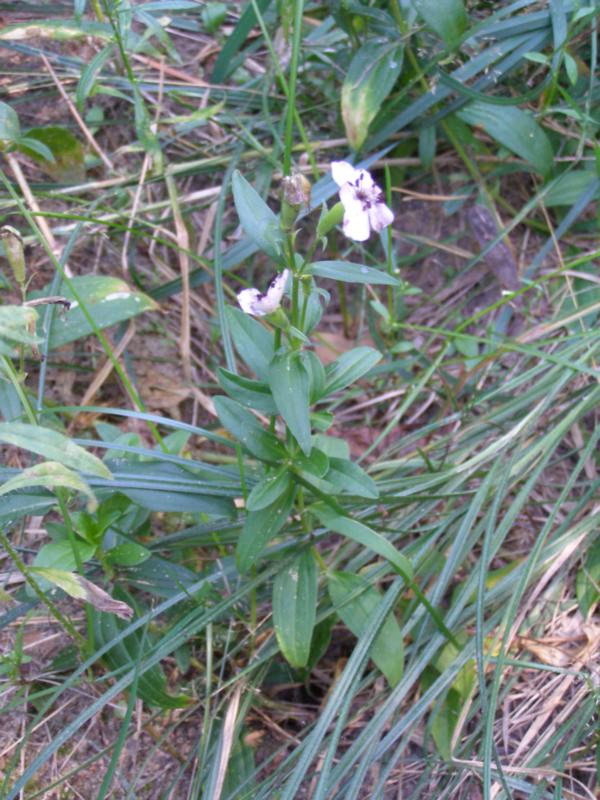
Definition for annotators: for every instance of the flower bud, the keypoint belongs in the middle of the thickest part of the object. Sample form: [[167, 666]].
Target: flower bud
[[13, 250], [296, 190], [330, 219], [296, 193]]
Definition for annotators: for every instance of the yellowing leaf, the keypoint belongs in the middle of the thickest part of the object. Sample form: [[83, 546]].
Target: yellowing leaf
[[371, 77], [81, 589], [50, 475]]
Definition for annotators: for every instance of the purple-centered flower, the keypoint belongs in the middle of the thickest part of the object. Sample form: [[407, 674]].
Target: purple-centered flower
[[364, 209]]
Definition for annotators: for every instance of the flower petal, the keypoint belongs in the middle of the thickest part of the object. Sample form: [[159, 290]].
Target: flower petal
[[352, 204], [258, 304], [356, 219], [342, 172], [356, 226], [248, 299], [271, 300], [363, 181], [380, 216]]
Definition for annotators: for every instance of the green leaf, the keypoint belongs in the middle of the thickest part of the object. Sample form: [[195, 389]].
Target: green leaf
[[321, 420], [332, 446], [364, 535], [128, 554], [50, 475], [588, 580], [269, 489], [67, 156], [248, 431], [584, 293], [10, 129], [571, 68], [258, 221], [294, 608], [253, 394], [569, 188], [427, 145], [213, 16], [349, 367], [36, 150], [355, 601], [320, 641], [260, 527], [162, 486], [290, 386], [252, 340], [53, 446], [350, 273], [447, 18], [151, 684], [20, 505], [350, 478], [108, 301], [16, 326], [515, 130], [316, 374], [89, 74], [59, 555], [443, 721], [229, 57], [370, 78], [316, 463]]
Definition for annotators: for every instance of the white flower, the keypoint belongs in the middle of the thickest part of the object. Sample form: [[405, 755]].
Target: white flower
[[364, 209], [258, 304]]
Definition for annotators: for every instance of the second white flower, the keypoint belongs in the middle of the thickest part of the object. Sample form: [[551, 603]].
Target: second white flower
[[364, 208]]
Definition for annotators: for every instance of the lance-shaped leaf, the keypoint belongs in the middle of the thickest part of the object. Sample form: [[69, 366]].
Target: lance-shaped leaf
[[364, 535], [349, 367], [253, 394], [294, 608], [355, 601], [447, 18], [513, 128], [248, 430], [17, 324], [290, 385], [260, 527], [108, 301], [371, 77], [269, 489], [258, 221], [10, 129], [351, 273], [54, 446], [50, 475], [252, 340]]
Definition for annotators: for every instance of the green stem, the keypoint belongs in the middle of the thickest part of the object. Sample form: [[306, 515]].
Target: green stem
[[276, 346], [291, 98], [390, 260], [61, 496], [24, 570], [306, 144], [306, 297], [295, 299], [344, 308], [18, 387]]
